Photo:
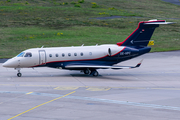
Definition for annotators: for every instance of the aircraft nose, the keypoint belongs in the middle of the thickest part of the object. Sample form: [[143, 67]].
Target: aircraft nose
[[5, 64], [10, 63]]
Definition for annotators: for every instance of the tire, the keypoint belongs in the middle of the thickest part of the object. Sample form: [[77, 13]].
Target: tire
[[87, 71], [95, 73], [19, 74]]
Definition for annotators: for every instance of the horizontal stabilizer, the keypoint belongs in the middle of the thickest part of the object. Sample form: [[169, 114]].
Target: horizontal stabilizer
[[159, 23]]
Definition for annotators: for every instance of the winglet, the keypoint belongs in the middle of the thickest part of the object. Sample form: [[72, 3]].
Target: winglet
[[139, 64]]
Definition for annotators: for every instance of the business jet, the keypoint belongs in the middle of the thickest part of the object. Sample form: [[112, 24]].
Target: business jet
[[89, 58]]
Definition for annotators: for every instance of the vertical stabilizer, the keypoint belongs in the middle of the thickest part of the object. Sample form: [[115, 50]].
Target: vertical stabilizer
[[142, 35]]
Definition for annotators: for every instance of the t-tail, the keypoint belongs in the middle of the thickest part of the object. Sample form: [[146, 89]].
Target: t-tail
[[142, 35]]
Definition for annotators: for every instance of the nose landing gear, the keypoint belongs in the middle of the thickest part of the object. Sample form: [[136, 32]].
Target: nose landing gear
[[19, 74]]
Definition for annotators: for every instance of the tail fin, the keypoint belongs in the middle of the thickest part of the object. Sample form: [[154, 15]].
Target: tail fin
[[143, 33]]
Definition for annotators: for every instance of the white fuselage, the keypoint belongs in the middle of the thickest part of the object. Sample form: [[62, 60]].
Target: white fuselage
[[41, 56]]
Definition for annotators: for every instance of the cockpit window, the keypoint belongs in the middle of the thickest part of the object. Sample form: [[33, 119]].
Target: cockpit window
[[21, 54], [28, 54]]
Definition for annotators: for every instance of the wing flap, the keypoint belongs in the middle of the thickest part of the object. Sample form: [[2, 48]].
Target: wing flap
[[101, 66]]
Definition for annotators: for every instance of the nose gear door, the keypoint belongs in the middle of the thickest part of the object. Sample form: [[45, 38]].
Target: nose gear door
[[42, 57]]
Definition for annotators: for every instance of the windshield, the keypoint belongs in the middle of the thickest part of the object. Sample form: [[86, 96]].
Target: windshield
[[21, 54]]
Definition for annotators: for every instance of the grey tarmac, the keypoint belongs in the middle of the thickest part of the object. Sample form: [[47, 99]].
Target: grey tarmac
[[150, 92]]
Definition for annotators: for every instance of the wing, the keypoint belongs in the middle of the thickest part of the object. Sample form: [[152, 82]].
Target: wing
[[101, 66]]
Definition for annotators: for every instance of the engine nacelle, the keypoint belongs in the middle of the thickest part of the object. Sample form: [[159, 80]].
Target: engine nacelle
[[114, 50], [121, 51]]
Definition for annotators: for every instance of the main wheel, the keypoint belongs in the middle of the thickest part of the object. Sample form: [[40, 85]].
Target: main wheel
[[95, 73], [19, 74], [87, 71]]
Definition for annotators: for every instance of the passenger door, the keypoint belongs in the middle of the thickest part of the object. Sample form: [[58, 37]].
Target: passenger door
[[42, 57]]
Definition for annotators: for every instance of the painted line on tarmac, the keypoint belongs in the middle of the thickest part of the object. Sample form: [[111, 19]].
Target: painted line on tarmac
[[146, 105], [29, 93], [92, 88], [97, 89], [125, 103], [148, 88], [7, 84], [41, 105], [66, 88], [38, 85], [16, 92]]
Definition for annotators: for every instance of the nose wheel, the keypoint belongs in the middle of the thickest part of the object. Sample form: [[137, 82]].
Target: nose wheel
[[19, 74]]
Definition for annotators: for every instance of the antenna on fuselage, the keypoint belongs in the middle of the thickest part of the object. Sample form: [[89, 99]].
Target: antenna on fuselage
[[42, 46], [82, 45]]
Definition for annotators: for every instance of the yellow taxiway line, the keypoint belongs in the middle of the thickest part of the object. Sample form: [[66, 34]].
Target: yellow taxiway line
[[29, 93], [40, 104]]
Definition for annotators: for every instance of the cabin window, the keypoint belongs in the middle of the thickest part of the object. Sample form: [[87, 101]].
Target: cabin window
[[50, 55], [63, 54], [75, 54], [90, 53], [81, 54], [28, 54], [57, 55], [21, 54], [69, 54]]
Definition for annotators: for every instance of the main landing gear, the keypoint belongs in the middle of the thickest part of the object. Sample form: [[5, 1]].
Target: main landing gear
[[92, 72], [19, 74]]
